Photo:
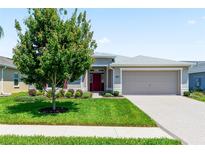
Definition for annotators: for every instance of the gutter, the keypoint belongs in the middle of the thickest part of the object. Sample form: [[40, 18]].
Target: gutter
[[148, 65]]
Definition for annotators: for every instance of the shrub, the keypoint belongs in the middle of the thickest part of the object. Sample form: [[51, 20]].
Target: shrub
[[78, 94], [49, 93], [108, 95], [62, 92], [68, 94], [87, 95], [116, 93], [59, 95], [186, 93], [32, 92], [40, 92], [72, 91], [80, 91]]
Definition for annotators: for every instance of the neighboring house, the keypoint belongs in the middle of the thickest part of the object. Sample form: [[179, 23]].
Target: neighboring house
[[134, 75], [197, 75], [10, 77]]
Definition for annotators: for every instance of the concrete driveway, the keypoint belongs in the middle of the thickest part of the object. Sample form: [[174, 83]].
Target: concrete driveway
[[180, 116]]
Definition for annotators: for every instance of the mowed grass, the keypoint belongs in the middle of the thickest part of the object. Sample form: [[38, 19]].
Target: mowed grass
[[41, 140], [101, 112]]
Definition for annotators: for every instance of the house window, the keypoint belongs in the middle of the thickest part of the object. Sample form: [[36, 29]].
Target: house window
[[16, 79]]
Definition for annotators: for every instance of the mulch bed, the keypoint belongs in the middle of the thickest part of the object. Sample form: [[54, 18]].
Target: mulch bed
[[49, 110]]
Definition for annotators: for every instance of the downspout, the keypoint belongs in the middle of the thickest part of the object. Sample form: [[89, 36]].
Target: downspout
[[2, 79]]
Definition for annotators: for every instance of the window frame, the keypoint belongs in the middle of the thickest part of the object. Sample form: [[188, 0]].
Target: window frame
[[16, 78]]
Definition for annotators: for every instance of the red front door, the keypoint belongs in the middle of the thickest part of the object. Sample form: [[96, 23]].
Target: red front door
[[96, 85]]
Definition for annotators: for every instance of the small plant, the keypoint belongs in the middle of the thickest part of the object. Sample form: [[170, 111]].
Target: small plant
[[78, 94], [87, 95], [116, 93], [62, 91], [187, 93], [108, 95], [59, 95], [40, 92], [72, 91], [32, 92], [68, 94], [79, 91], [49, 93]]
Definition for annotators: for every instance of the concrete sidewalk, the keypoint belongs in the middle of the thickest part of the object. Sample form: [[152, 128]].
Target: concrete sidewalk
[[99, 131]]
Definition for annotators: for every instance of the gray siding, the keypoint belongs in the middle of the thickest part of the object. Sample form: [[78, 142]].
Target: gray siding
[[102, 61]]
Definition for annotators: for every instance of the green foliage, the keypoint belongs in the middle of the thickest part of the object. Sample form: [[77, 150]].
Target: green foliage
[[198, 95], [62, 92], [42, 140], [79, 91], [72, 91], [32, 92], [186, 93], [54, 47], [49, 93], [59, 95], [87, 94], [68, 94], [108, 95], [40, 92], [116, 93], [78, 94]]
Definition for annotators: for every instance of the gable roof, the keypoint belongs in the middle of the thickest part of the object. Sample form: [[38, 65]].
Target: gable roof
[[146, 61], [197, 66], [4, 61], [103, 55]]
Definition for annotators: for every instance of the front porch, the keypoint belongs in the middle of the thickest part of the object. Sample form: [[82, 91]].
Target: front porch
[[100, 79]]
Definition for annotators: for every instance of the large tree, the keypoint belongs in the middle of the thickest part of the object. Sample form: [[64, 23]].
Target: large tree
[[54, 47], [1, 32]]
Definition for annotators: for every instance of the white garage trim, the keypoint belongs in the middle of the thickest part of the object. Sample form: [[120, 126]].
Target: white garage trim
[[154, 69]]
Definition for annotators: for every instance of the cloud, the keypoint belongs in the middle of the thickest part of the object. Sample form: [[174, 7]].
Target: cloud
[[103, 40], [203, 17], [192, 22]]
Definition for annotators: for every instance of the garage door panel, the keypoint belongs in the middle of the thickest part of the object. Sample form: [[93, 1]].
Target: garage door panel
[[149, 82]]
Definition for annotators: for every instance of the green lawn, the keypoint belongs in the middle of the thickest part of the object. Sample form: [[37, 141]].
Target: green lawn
[[200, 96], [41, 140], [102, 112]]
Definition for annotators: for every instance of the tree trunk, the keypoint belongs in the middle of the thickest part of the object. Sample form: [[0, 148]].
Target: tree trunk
[[54, 96]]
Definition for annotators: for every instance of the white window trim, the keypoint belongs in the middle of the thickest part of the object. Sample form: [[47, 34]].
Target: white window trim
[[16, 86]]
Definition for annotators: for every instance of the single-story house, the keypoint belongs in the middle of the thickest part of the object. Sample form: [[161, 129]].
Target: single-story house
[[134, 75], [197, 75], [128, 75], [10, 77]]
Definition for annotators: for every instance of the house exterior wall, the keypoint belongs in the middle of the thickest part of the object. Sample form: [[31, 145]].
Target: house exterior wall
[[102, 61], [8, 82], [185, 80], [197, 77]]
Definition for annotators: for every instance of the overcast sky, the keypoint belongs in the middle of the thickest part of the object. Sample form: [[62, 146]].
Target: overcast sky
[[177, 34]]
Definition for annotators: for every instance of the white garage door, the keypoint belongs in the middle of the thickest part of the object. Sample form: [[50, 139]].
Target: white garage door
[[150, 82]]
